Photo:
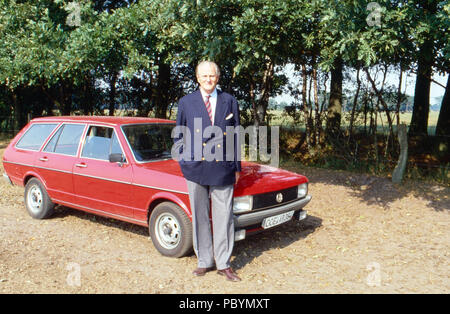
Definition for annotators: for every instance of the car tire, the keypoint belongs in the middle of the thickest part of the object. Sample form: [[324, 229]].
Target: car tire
[[171, 230], [37, 201]]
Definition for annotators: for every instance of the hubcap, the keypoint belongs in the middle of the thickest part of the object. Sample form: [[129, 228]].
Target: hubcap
[[35, 199], [168, 231]]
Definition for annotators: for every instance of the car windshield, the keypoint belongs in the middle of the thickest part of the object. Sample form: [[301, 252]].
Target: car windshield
[[149, 141]]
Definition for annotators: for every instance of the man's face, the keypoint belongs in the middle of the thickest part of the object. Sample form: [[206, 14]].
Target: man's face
[[207, 77]]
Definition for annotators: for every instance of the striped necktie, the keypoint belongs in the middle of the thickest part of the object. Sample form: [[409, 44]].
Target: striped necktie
[[208, 107]]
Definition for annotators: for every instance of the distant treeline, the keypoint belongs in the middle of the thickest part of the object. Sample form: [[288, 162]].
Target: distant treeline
[[138, 58]]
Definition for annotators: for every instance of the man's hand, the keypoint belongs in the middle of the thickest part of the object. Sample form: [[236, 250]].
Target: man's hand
[[238, 174]]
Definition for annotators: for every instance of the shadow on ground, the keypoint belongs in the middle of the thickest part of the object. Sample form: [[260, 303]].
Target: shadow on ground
[[279, 237], [379, 191], [245, 251]]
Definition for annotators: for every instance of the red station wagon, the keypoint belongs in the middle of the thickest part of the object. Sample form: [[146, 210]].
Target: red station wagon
[[121, 167]]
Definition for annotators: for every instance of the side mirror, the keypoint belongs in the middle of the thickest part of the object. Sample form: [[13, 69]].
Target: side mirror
[[116, 158]]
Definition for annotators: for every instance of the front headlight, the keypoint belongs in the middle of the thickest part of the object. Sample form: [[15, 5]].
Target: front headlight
[[302, 190], [242, 204]]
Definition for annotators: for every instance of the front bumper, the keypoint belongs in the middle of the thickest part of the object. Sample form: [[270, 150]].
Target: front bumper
[[7, 179], [254, 218]]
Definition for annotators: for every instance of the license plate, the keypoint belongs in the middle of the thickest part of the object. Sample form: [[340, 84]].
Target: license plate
[[276, 220]]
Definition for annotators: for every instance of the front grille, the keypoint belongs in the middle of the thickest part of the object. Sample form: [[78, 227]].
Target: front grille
[[270, 199]]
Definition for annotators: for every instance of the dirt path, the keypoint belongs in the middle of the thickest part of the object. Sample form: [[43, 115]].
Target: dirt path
[[363, 235]]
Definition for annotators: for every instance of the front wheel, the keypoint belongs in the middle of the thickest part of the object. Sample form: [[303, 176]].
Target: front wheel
[[171, 230], [37, 201]]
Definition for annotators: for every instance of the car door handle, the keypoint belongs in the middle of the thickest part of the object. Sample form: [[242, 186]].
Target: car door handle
[[43, 159], [82, 165]]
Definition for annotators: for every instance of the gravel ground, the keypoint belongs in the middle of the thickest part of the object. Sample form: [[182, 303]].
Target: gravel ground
[[363, 235]]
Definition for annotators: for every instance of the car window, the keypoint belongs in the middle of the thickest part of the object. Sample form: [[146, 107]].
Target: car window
[[35, 136], [115, 146], [149, 141], [65, 140], [50, 147], [100, 143]]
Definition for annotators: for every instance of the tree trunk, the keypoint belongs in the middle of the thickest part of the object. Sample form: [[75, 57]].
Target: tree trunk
[[146, 94], [355, 103], [112, 93], [19, 116], [306, 107], [263, 103], [88, 104], [375, 137], [253, 100], [379, 94], [162, 90], [51, 102], [317, 127], [399, 96], [419, 119], [399, 170], [65, 95], [335, 103], [443, 123]]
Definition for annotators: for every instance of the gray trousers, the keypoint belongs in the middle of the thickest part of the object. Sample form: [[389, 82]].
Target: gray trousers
[[207, 247]]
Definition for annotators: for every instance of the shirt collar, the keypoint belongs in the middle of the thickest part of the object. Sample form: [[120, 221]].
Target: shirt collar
[[213, 94]]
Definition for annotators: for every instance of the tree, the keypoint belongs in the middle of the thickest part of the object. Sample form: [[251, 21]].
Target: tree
[[335, 101], [32, 43], [425, 38], [443, 123], [443, 65], [262, 39], [99, 47]]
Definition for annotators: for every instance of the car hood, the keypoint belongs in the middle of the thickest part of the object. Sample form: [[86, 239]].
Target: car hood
[[254, 179]]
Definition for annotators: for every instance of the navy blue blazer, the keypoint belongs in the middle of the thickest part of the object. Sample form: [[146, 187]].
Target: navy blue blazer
[[208, 160]]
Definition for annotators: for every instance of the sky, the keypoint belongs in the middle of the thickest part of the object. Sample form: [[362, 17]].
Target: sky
[[436, 91]]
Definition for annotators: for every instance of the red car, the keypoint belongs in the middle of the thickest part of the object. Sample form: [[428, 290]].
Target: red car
[[121, 167]]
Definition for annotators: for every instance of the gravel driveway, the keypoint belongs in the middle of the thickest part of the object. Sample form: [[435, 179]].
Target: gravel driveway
[[363, 235]]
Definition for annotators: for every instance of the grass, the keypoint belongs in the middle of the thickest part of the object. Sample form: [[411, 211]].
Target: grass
[[279, 117]]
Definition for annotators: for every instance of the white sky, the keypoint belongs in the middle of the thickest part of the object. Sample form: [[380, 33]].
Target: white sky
[[391, 79]]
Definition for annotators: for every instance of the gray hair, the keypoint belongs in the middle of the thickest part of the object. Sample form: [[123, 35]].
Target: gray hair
[[210, 63]]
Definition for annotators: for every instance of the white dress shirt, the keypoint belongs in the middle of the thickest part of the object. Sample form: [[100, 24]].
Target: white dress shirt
[[212, 101]]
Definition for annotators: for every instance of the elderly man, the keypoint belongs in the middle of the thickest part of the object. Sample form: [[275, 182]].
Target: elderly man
[[206, 178]]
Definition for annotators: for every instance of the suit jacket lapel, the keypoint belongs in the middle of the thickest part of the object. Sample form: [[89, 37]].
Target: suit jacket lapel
[[220, 109]]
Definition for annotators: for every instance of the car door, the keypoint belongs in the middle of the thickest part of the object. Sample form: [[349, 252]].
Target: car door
[[54, 163], [102, 186]]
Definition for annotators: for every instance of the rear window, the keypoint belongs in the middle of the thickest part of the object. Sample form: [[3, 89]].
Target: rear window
[[35, 136]]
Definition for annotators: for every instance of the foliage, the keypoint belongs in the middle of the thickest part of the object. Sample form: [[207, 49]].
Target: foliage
[[85, 56]]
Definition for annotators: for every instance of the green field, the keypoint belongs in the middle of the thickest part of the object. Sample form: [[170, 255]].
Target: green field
[[279, 117]]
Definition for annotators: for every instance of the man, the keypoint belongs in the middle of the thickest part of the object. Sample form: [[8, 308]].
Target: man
[[210, 178]]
